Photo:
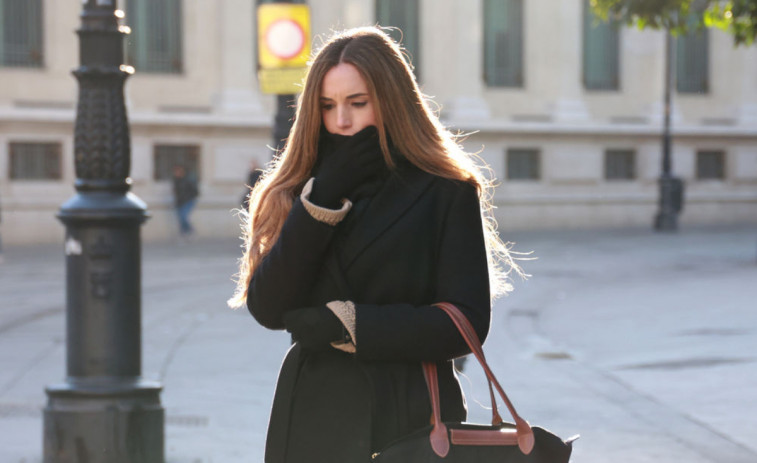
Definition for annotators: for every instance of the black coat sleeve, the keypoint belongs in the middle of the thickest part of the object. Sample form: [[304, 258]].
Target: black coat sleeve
[[403, 332], [284, 278]]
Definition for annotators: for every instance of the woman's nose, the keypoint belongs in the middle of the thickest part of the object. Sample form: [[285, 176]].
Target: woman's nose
[[343, 119]]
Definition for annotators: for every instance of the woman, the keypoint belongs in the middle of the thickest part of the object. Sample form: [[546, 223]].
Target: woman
[[370, 215]]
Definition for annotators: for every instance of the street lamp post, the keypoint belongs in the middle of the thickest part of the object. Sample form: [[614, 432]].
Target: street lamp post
[[104, 411], [282, 122], [671, 188]]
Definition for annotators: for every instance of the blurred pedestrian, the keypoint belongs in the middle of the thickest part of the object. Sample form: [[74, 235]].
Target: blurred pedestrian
[[185, 191], [371, 214]]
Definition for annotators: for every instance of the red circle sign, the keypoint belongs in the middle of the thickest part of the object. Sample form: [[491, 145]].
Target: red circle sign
[[285, 38]]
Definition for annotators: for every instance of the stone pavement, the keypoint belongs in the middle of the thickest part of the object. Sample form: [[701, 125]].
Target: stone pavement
[[643, 343]]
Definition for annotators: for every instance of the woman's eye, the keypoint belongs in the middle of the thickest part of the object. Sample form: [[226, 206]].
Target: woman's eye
[[359, 104], [326, 107]]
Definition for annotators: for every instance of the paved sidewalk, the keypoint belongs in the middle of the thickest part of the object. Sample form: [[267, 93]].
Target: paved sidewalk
[[641, 342]]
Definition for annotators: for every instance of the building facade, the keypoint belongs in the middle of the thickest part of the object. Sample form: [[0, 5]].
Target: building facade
[[566, 111]]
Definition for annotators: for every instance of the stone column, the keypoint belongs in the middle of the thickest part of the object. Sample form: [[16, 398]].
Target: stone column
[[238, 93], [459, 79], [569, 105]]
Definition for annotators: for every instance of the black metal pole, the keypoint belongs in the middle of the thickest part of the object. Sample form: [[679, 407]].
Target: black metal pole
[[104, 411], [283, 120], [667, 216]]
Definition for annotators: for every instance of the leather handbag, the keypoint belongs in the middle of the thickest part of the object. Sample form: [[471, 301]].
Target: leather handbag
[[454, 442]]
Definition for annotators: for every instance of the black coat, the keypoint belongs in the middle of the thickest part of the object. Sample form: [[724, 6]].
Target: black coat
[[418, 241]]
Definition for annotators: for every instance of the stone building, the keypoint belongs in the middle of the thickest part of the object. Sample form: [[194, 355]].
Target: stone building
[[566, 111]]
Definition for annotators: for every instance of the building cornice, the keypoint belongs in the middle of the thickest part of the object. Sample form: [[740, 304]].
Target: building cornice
[[480, 126], [143, 118], [504, 127]]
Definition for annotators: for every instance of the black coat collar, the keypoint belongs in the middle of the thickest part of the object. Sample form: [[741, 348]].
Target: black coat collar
[[402, 189]]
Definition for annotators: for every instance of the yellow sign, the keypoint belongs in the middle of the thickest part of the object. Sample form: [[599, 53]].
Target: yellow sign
[[283, 46], [284, 81]]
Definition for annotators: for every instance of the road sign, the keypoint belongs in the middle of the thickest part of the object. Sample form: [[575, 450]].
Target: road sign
[[283, 46]]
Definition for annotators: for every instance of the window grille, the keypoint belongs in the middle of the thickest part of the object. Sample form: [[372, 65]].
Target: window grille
[[155, 42], [523, 164], [503, 43], [168, 156], [404, 15], [620, 164], [600, 52], [710, 165], [21, 33], [35, 161]]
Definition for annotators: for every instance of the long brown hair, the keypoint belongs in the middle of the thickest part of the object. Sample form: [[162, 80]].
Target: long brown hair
[[401, 112]]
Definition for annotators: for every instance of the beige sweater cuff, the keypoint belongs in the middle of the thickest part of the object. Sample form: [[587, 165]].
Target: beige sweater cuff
[[345, 312], [322, 214]]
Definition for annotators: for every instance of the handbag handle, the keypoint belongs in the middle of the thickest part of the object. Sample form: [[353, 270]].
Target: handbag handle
[[439, 437]]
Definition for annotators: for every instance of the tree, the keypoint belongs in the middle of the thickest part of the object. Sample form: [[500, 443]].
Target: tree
[[738, 17]]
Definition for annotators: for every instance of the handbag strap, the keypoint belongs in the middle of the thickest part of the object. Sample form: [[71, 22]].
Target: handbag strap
[[471, 333], [439, 436]]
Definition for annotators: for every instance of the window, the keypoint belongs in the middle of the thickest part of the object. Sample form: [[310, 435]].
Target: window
[[600, 52], [710, 165], [35, 161], [523, 164], [21, 33], [620, 164], [168, 156], [402, 14], [692, 61], [503, 43], [154, 44]]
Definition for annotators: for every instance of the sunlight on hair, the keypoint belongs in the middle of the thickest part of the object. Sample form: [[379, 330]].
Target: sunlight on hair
[[404, 116]]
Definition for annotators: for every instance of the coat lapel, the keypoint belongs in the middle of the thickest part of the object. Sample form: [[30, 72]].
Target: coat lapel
[[401, 191]]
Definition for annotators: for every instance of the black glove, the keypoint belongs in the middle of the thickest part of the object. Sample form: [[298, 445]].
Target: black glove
[[350, 164], [314, 327]]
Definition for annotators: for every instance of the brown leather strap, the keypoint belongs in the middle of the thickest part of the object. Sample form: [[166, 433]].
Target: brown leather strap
[[483, 437], [471, 334], [496, 418], [438, 437], [525, 435]]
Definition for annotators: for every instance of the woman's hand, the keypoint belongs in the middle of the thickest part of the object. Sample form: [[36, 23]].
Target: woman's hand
[[314, 327], [350, 165]]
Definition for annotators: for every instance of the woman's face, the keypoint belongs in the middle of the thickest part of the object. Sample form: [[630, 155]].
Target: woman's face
[[346, 106]]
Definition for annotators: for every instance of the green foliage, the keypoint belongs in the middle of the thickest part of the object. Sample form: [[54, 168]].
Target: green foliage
[[738, 17]]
